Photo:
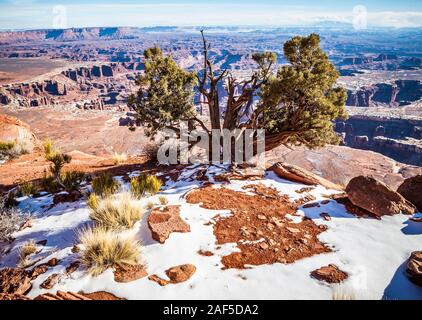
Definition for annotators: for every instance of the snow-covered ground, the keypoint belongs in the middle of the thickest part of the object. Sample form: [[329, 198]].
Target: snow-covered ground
[[372, 251]]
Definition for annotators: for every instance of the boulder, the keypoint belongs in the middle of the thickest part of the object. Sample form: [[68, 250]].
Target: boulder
[[297, 174], [14, 281], [164, 221], [411, 189], [127, 273], [180, 273], [414, 268], [376, 197], [330, 274]]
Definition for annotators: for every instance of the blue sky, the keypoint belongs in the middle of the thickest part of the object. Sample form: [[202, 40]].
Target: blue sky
[[32, 14]]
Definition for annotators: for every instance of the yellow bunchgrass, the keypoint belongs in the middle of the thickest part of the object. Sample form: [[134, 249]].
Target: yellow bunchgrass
[[103, 249], [145, 184], [119, 158], [163, 200], [105, 185], [25, 251], [118, 212]]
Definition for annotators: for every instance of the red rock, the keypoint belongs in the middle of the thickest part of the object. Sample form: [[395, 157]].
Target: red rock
[[205, 253], [377, 198], [164, 221], [127, 273], [72, 267], [330, 274], [38, 270], [180, 273], [14, 281], [160, 281], [53, 262], [101, 295], [411, 189], [10, 297], [414, 268], [51, 281]]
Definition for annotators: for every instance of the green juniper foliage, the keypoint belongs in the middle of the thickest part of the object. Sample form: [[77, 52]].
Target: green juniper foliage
[[165, 95], [295, 104]]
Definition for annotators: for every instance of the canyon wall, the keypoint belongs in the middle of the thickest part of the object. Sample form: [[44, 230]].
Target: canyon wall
[[400, 139]]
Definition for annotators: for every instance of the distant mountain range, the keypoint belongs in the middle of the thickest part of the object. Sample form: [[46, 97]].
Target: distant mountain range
[[118, 33]]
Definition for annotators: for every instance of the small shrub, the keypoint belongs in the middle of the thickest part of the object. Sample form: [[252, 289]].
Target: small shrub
[[143, 184], [163, 200], [72, 180], [119, 158], [105, 185], [103, 249], [58, 160], [13, 149], [6, 146], [115, 213], [49, 184], [150, 205], [28, 188], [22, 146], [25, 251], [11, 219], [48, 147]]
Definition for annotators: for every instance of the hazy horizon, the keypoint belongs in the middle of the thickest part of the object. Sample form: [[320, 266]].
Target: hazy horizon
[[37, 14]]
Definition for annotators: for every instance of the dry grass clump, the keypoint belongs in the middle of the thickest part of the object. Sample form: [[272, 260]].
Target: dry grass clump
[[25, 251], [163, 200], [119, 158], [103, 249], [117, 212], [341, 293], [105, 185], [145, 184], [150, 205], [11, 219], [28, 188], [72, 180], [12, 149]]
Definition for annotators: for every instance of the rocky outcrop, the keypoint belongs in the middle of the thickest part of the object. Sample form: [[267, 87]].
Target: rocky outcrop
[[401, 92], [296, 174], [330, 274], [398, 138], [14, 281], [12, 129], [164, 221], [411, 189], [377, 198], [414, 268]]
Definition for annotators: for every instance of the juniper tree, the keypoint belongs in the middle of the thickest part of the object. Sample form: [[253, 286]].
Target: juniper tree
[[295, 103]]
